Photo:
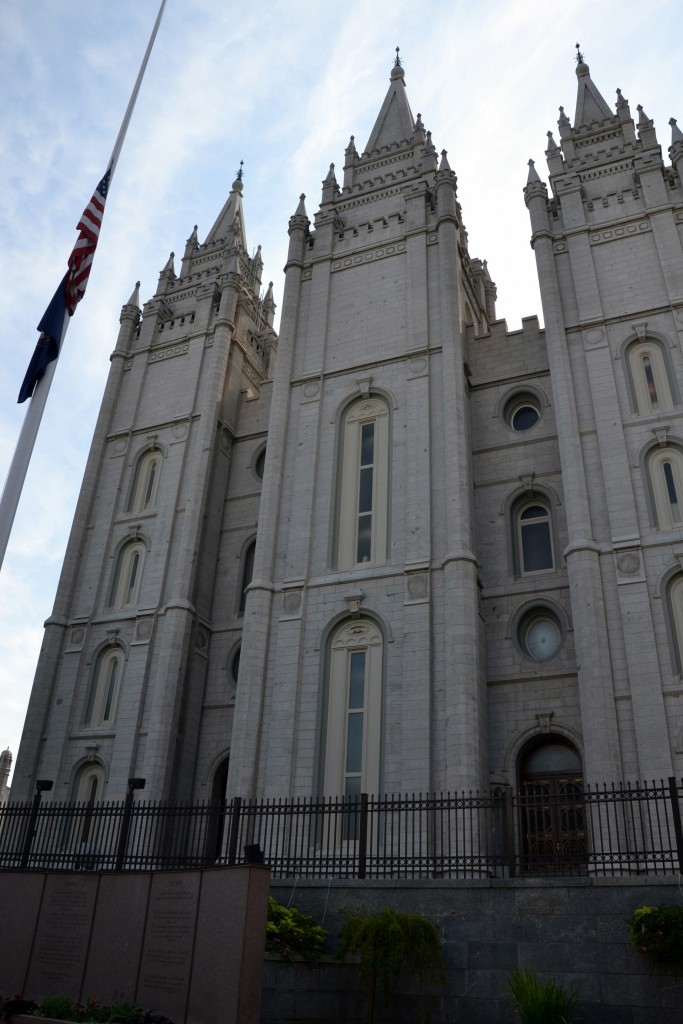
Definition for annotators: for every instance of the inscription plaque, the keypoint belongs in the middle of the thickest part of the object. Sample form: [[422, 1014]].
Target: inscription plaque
[[62, 936], [168, 944]]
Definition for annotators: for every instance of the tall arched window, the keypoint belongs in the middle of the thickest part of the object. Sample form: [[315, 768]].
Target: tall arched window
[[88, 790], [128, 575], [363, 491], [354, 710], [675, 608], [665, 470], [145, 482], [532, 535], [647, 366], [246, 573], [105, 687]]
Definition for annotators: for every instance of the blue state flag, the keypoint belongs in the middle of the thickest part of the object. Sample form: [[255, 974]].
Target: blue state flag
[[47, 348]]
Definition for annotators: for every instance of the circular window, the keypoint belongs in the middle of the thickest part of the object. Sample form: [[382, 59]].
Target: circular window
[[540, 635], [522, 412]]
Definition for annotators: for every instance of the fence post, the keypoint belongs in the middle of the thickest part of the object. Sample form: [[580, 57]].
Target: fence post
[[234, 829], [676, 812], [509, 833], [42, 786], [133, 784], [363, 836]]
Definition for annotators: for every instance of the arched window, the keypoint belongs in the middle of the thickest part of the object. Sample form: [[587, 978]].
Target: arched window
[[354, 709], [665, 470], [246, 573], [145, 482], [259, 464], [647, 366], [104, 689], [128, 576], [364, 484], [532, 536], [88, 790], [675, 608], [216, 819]]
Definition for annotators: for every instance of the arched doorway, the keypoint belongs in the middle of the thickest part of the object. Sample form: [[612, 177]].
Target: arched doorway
[[552, 812]]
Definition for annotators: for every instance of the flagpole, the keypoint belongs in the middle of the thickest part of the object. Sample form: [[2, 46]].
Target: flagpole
[[29, 430]]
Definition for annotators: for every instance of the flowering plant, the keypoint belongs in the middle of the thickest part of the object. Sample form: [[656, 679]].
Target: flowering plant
[[293, 935], [658, 931]]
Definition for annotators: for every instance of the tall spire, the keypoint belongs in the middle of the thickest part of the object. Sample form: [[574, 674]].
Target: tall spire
[[395, 122], [230, 220], [590, 105]]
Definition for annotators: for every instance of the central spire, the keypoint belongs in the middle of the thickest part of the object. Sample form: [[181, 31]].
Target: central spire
[[395, 122]]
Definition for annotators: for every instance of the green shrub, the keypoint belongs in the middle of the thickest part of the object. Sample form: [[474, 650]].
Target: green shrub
[[293, 934], [541, 1002], [59, 1007], [64, 1008], [658, 931], [392, 946]]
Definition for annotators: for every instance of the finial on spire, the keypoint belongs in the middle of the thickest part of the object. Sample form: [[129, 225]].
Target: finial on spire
[[397, 61], [240, 173], [579, 55]]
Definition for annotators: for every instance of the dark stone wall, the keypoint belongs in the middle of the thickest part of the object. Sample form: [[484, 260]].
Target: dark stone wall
[[574, 931]]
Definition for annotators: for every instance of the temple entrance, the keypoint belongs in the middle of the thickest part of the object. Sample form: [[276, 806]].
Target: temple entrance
[[552, 812]]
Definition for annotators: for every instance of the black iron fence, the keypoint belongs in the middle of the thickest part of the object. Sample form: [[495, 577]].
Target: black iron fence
[[631, 829]]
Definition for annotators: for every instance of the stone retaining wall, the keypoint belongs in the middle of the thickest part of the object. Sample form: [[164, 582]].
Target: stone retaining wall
[[573, 930]]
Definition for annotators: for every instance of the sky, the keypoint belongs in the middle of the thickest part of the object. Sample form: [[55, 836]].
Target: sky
[[280, 85]]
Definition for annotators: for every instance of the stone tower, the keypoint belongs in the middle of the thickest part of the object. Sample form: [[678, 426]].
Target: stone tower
[[362, 664], [610, 265], [122, 687]]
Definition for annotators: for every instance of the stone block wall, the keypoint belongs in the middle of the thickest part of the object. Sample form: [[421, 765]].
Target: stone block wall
[[571, 930]]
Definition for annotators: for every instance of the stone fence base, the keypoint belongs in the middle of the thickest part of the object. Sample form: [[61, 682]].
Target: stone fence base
[[573, 930]]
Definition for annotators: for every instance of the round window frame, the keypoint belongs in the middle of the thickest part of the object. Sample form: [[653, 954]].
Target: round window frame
[[525, 617], [513, 403]]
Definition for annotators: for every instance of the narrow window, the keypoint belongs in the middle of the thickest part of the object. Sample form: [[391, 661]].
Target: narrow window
[[88, 788], [665, 474], [535, 541], [128, 575], [355, 719], [104, 690], [649, 374], [363, 497], [145, 482], [246, 574], [352, 734], [650, 382], [531, 535], [365, 492], [671, 491]]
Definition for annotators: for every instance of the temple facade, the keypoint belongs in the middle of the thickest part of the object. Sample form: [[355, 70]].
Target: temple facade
[[400, 548]]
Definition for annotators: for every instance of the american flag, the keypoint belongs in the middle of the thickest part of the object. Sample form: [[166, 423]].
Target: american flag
[[70, 291], [81, 257]]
